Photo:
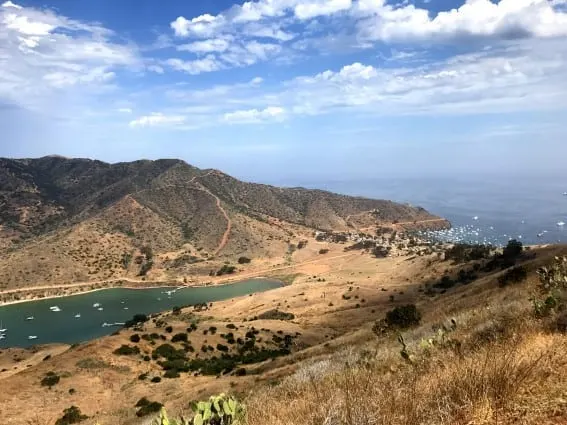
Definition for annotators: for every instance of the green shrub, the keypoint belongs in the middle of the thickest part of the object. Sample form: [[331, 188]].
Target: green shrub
[[50, 379], [552, 288], [169, 329], [276, 315], [222, 347], [219, 409], [138, 318], [323, 251], [127, 350], [179, 337], [514, 275], [72, 415], [513, 249], [149, 408], [168, 352], [403, 316], [244, 260], [155, 379], [135, 338], [226, 269]]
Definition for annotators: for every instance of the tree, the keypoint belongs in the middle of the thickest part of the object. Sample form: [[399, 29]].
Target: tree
[[513, 249], [404, 316], [72, 415]]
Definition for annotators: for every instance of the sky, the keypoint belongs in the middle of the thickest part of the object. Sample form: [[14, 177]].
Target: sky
[[270, 90]]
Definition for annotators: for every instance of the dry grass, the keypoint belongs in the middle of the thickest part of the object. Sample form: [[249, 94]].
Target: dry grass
[[485, 384]]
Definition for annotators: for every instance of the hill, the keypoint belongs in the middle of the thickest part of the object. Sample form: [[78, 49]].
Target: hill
[[80, 220]]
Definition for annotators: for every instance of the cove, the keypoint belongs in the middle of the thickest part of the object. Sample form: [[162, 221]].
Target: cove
[[79, 318]]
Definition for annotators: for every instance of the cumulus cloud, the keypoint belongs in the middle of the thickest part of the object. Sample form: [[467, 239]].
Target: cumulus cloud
[[271, 113], [206, 46], [198, 66], [313, 9], [157, 119], [43, 55]]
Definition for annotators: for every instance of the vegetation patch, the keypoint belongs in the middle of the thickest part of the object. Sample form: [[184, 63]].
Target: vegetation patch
[[50, 379], [147, 407], [127, 350], [71, 415], [276, 315]]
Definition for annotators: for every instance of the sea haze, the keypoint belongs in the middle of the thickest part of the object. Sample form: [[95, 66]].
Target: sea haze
[[519, 206]]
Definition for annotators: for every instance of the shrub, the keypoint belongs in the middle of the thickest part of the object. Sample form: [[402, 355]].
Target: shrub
[[403, 316], [276, 315], [168, 352], [552, 288], [222, 347], [231, 326], [226, 269], [514, 275], [461, 252], [169, 329], [149, 408], [127, 350], [513, 249], [244, 260], [138, 318], [171, 374], [135, 338], [155, 379], [323, 251], [219, 409], [50, 379], [179, 337], [176, 310], [72, 415]]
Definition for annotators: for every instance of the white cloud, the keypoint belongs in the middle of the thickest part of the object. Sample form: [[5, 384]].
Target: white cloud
[[49, 62], [201, 26], [157, 119], [313, 9], [206, 46], [125, 110], [8, 4], [156, 68], [507, 19], [207, 64], [271, 113]]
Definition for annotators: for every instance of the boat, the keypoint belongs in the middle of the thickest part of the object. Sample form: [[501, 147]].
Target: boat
[[30, 318], [475, 217], [2, 330], [125, 308], [55, 308], [100, 309], [32, 337], [77, 316], [564, 193], [561, 224], [96, 305], [2, 336], [106, 325]]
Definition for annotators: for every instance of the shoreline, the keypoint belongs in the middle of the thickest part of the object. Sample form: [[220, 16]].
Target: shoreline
[[134, 288]]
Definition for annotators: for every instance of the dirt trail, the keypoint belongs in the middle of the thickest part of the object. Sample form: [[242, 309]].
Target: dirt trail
[[431, 220]]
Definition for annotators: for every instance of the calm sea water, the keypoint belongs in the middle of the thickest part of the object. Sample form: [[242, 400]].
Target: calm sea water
[[489, 209], [118, 305]]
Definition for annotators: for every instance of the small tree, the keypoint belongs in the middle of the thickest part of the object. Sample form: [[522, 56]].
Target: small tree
[[50, 379], [513, 249], [403, 317], [72, 415], [244, 260]]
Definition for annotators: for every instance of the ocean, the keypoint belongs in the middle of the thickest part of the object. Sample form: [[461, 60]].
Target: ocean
[[482, 209]]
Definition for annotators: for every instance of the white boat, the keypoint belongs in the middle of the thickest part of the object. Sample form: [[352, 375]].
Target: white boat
[[475, 217], [561, 224], [125, 308], [100, 309], [32, 337], [77, 316], [96, 305], [30, 318], [106, 325], [2, 337], [55, 308], [2, 330]]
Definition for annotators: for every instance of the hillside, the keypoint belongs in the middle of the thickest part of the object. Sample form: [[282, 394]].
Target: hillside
[[80, 220], [328, 345]]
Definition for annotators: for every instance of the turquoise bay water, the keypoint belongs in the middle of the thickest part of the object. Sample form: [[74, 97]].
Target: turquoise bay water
[[118, 305]]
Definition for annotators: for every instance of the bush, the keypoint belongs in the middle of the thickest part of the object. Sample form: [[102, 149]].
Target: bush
[[403, 316], [155, 379], [244, 260], [149, 408], [72, 415], [222, 347], [226, 269], [171, 374], [513, 249], [323, 251], [135, 338], [138, 318], [220, 409], [515, 275], [276, 315], [179, 337], [127, 350], [50, 379], [461, 252]]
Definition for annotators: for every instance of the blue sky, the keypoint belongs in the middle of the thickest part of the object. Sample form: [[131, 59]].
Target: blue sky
[[270, 89]]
